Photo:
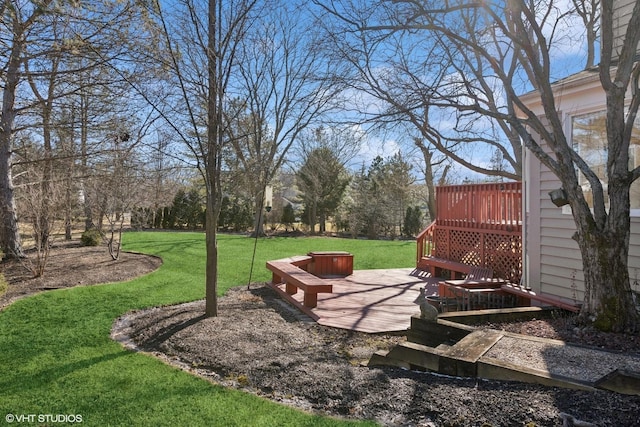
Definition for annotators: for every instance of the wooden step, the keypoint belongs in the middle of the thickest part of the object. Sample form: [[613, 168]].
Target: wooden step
[[621, 381], [473, 346], [410, 355], [382, 358], [430, 333], [460, 359], [496, 369]]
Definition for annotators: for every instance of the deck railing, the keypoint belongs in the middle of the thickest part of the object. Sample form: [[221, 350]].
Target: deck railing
[[425, 241], [494, 206]]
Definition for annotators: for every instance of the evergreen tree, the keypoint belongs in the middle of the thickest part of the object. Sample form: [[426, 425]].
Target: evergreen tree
[[322, 179], [288, 216], [412, 221]]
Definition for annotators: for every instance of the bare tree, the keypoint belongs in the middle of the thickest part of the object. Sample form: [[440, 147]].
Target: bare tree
[[200, 55], [49, 45], [411, 82], [431, 164], [38, 209], [513, 44], [18, 21], [120, 186], [283, 82]]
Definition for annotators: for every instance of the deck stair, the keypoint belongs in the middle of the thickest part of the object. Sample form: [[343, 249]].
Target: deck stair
[[459, 359], [457, 349], [464, 354]]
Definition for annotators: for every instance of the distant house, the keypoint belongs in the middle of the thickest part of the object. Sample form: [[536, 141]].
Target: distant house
[[551, 258]]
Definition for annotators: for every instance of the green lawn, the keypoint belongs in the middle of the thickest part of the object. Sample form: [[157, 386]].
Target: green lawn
[[56, 356]]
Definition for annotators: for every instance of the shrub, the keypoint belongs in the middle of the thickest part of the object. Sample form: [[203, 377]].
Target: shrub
[[91, 237]]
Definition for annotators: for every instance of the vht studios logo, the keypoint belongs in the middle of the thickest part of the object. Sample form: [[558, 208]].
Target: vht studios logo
[[43, 418]]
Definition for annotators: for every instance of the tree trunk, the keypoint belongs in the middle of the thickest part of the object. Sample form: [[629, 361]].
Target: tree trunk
[[608, 301], [313, 217], [429, 181], [322, 220], [11, 244], [43, 228], [84, 136], [68, 203], [67, 229], [67, 219], [101, 214], [258, 220], [9, 232], [212, 167], [603, 237], [211, 290]]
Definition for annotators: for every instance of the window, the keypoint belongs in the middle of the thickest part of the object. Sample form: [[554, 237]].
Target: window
[[589, 138]]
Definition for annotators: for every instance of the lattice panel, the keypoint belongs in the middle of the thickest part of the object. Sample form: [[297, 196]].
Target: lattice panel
[[441, 243], [465, 247], [503, 253], [500, 251]]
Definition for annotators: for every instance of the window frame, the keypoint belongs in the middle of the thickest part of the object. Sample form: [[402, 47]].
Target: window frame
[[569, 126]]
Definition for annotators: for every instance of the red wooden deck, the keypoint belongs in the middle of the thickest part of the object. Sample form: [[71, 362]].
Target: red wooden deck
[[476, 225], [372, 301]]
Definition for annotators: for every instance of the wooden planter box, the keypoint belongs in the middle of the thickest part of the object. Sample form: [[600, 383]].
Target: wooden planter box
[[327, 264]]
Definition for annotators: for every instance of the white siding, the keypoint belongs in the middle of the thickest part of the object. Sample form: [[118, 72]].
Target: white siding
[[621, 16], [560, 259], [559, 268]]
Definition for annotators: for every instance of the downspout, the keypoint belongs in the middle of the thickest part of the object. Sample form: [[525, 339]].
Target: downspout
[[524, 280]]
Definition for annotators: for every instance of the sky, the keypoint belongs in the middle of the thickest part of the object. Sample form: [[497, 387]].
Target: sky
[[568, 57]]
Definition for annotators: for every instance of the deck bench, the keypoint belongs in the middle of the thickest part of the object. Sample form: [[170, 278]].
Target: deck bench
[[453, 266], [301, 261], [296, 278]]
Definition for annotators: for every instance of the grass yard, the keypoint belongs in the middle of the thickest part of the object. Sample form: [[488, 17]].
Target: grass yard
[[57, 360]]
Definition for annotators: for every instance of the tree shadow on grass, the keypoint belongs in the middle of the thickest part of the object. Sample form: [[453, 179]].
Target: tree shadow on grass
[[52, 373]]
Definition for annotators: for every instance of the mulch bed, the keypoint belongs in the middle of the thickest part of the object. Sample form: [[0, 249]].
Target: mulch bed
[[69, 264], [261, 345]]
